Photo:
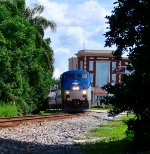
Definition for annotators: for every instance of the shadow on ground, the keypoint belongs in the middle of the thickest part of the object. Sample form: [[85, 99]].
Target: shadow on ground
[[112, 147], [9, 146]]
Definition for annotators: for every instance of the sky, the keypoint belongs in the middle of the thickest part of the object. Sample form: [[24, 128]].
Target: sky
[[81, 24]]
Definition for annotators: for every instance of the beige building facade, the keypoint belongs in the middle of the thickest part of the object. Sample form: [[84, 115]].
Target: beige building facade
[[73, 63]]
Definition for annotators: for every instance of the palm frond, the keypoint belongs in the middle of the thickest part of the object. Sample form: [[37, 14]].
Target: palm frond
[[36, 10], [44, 23]]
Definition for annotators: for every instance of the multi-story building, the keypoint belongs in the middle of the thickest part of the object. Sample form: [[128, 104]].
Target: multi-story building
[[73, 63], [103, 69]]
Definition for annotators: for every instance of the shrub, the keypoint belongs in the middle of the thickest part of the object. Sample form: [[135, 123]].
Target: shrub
[[8, 110], [25, 109]]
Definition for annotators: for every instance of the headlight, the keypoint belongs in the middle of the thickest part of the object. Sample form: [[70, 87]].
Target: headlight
[[67, 92], [75, 88], [84, 92]]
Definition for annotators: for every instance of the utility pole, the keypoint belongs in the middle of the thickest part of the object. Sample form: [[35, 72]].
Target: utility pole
[[72, 63], [83, 41]]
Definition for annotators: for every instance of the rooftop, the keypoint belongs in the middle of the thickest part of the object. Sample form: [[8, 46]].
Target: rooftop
[[94, 53]]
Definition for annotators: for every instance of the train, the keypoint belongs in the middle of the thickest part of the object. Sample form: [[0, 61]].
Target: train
[[54, 99], [75, 90]]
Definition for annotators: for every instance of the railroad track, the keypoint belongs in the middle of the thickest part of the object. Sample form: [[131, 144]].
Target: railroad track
[[7, 122]]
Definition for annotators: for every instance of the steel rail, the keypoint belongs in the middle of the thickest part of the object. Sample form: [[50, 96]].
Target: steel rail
[[13, 121]]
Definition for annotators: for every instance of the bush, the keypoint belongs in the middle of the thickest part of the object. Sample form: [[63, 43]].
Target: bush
[[8, 110], [50, 111], [24, 109], [139, 130]]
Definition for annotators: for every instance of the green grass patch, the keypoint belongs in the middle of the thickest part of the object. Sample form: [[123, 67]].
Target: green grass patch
[[115, 130], [107, 147], [100, 108], [8, 110], [50, 111], [115, 140]]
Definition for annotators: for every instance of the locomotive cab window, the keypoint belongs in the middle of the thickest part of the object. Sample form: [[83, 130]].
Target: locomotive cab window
[[70, 76], [81, 75]]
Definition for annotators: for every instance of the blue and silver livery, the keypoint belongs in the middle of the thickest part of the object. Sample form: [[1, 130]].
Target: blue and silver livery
[[76, 90]]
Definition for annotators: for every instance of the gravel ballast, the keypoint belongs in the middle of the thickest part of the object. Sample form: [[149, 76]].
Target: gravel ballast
[[49, 137]]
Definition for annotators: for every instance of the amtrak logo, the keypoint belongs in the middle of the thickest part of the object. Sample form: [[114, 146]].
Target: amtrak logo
[[75, 82]]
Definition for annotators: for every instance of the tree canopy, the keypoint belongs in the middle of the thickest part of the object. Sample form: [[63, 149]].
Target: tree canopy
[[26, 58], [129, 30]]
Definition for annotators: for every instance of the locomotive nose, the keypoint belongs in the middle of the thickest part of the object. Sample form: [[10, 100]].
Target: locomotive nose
[[75, 88]]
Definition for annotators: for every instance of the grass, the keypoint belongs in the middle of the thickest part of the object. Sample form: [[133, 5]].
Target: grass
[[114, 130], [115, 140], [8, 110], [50, 111], [104, 147], [11, 110], [100, 108]]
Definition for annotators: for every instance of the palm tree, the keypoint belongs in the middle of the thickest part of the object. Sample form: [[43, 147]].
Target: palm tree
[[41, 24], [38, 21]]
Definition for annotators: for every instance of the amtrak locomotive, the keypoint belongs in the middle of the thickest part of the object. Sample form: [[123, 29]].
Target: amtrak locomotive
[[75, 90]]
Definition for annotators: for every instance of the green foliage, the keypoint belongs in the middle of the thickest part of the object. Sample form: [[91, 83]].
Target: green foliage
[[101, 107], [102, 147], [49, 111], [113, 130], [25, 109], [129, 30], [8, 110], [115, 140], [26, 66]]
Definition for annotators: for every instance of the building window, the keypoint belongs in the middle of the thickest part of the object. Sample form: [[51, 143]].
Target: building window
[[76, 66], [102, 73], [92, 78], [81, 65], [91, 65], [113, 67]]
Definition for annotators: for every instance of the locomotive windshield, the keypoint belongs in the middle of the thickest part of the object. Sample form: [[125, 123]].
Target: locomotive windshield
[[81, 77], [70, 76]]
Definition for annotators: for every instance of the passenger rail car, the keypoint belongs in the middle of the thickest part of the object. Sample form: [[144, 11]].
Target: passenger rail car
[[75, 90], [54, 100]]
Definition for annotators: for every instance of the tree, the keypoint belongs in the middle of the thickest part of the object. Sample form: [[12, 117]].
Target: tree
[[25, 70], [129, 30], [33, 15]]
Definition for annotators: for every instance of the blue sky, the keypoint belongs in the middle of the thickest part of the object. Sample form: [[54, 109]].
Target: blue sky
[[77, 21]]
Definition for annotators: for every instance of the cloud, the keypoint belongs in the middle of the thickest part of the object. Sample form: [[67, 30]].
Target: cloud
[[57, 73], [63, 51], [61, 60], [78, 22], [31, 2], [90, 11], [56, 11]]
